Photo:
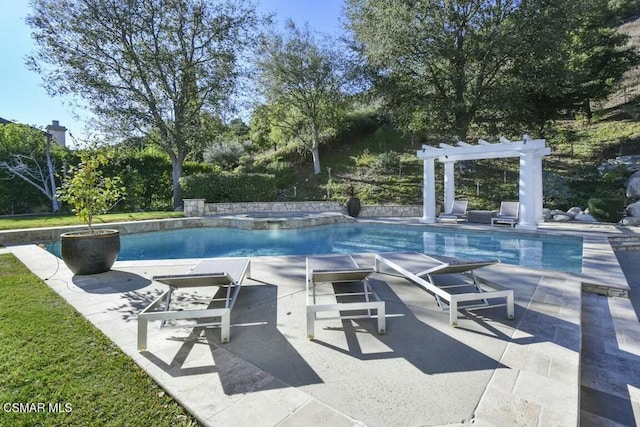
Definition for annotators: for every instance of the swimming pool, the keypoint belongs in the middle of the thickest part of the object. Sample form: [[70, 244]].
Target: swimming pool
[[545, 252]]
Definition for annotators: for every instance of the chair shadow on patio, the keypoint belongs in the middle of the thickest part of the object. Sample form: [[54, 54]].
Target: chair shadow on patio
[[254, 338], [408, 337]]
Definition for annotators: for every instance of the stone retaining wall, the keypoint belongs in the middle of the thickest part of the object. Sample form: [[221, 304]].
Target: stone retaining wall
[[391, 210], [198, 207]]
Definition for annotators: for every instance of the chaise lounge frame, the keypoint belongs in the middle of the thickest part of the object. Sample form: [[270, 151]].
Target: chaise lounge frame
[[340, 269], [213, 272], [435, 267]]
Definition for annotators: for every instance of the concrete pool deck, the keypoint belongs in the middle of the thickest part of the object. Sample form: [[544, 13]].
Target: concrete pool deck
[[489, 371]]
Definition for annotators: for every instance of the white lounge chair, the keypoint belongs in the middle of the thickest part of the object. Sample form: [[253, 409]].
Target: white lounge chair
[[508, 214], [421, 269], [458, 212], [220, 272], [340, 268]]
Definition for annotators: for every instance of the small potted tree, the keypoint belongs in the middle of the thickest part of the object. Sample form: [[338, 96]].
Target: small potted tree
[[89, 193], [353, 203]]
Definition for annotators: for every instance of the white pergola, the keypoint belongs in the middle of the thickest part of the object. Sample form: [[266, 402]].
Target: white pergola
[[530, 152]]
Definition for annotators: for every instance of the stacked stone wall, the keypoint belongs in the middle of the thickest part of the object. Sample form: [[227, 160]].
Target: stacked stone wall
[[198, 207]]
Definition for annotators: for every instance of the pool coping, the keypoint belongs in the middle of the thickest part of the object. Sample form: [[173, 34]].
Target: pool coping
[[601, 272]]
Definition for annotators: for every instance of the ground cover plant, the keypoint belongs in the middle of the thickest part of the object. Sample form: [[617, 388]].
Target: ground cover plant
[[51, 354]]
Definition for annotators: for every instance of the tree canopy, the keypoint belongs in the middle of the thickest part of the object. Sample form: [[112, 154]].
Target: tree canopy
[[29, 154], [148, 66], [301, 79], [444, 66]]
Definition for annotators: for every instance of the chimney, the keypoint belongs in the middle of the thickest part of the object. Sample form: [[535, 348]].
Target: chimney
[[57, 132]]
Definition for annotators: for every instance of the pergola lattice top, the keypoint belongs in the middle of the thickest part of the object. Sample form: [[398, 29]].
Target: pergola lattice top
[[484, 150], [530, 151]]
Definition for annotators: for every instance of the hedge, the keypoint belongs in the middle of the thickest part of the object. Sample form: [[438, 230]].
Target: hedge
[[226, 187], [607, 209]]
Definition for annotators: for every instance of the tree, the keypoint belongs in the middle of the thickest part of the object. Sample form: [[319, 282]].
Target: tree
[[148, 67], [583, 63], [304, 76], [445, 66], [437, 62], [26, 153], [598, 55], [88, 190]]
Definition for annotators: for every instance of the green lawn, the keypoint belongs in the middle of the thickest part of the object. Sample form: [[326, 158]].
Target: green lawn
[[53, 355], [36, 221]]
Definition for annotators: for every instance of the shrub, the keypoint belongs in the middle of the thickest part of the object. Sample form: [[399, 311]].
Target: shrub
[[283, 173], [606, 209], [365, 159], [557, 194], [388, 161], [88, 191], [228, 187], [357, 125], [226, 154]]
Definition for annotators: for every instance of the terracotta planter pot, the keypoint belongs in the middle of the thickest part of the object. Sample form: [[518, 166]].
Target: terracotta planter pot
[[90, 254]]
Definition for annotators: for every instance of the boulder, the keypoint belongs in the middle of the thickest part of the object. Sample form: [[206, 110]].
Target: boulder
[[633, 210], [562, 217], [546, 213], [631, 163], [574, 211], [633, 186], [585, 218], [630, 220]]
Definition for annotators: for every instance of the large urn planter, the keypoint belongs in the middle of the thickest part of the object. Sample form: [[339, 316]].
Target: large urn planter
[[353, 204], [86, 253], [353, 207]]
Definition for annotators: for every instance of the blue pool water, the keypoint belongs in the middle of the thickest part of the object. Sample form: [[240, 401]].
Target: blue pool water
[[545, 252]]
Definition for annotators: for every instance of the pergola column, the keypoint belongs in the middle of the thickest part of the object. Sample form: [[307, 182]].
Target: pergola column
[[429, 191], [527, 191], [539, 187], [449, 185]]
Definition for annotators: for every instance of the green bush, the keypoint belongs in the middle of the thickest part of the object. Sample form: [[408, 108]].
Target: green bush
[[228, 187], [283, 173], [388, 161], [226, 154], [557, 194], [606, 209], [364, 159]]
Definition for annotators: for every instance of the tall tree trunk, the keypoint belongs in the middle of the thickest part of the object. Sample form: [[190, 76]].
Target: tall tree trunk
[[314, 151], [176, 173], [586, 107]]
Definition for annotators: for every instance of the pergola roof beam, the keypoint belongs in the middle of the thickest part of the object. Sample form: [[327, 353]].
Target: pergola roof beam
[[494, 155], [484, 151]]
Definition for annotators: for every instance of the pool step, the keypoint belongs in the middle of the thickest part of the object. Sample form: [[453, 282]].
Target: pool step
[[625, 243]]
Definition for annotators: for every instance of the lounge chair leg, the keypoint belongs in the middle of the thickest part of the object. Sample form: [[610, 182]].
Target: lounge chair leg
[[142, 334], [225, 327], [382, 320], [310, 319], [510, 304], [167, 302], [453, 312]]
